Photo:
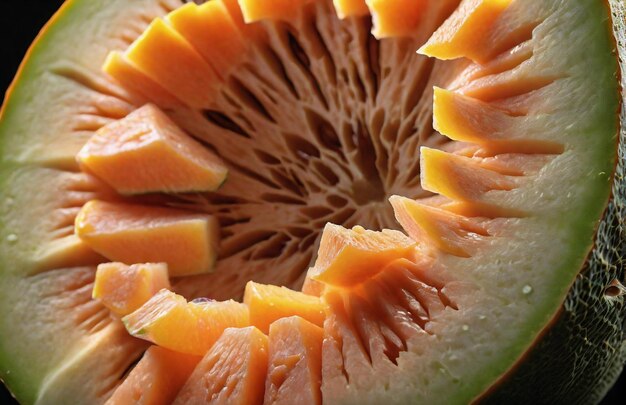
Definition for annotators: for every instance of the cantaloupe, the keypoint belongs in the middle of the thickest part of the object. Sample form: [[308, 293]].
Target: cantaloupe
[[132, 233], [123, 289], [294, 372], [156, 379], [233, 372], [169, 321], [269, 303], [147, 152], [469, 153]]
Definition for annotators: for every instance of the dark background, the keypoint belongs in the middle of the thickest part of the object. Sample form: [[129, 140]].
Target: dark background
[[20, 20]]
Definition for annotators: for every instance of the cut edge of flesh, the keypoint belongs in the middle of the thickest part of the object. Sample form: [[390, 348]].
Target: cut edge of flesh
[[456, 297]]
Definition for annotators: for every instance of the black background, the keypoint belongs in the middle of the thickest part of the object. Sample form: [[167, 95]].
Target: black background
[[20, 20]]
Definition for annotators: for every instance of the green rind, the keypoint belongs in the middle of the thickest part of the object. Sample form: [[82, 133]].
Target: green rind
[[585, 348]]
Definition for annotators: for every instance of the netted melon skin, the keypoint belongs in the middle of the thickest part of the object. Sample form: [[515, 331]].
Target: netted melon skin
[[581, 356]]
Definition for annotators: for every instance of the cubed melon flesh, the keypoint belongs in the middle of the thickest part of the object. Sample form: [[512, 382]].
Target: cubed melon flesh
[[232, 373], [123, 289], [463, 33], [396, 18], [294, 373], [183, 73], [460, 178], [282, 10], [147, 152], [466, 119], [347, 257], [268, 303], [169, 321], [210, 29], [130, 233], [351, 8], [156, 379], [138, 83], [435, 227]]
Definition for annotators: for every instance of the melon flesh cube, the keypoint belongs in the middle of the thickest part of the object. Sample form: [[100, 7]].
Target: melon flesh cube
[[184, 73], [347, 257], [295, 362], [169, 321], [463, 33], [119, 68], [459, 177], [123, 289], [231, 373], [465, 119], [350, 8], [396, 18], [130, 233], [268, 303], [147, 152], [281, 10], [445, 231], [210, 29], [156, 379]]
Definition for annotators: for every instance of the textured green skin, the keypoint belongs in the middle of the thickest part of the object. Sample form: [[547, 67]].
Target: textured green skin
[[587, 342]]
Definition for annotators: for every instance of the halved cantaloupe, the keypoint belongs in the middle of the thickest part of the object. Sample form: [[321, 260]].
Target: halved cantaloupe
[[156, 379], [169, 321], [269, 303], [350, 256], [123, 289], [130, 233], [147, 152], [320, 122], [233, 372], [294, 372]]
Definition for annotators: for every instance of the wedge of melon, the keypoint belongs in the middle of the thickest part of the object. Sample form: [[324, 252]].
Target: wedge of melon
[[269, 303], [494, 275], [156, 379], [127, 233], [233, 372], [169, 321], [123, 289], [146, 152], [294, 367]]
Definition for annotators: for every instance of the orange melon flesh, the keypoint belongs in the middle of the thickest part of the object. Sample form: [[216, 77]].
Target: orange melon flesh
[[232, 373], [147, 152], [130, 233], [396, 18], [156, 379], [312, 287], [465, 119], [459, 177], [463, 34], [132, 79], [281, 10], [184, 73], [210, 29], [123, 289], [349, 257], [295, 363], [442, 230], [169, 321], [351, 8], [269, 303]]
